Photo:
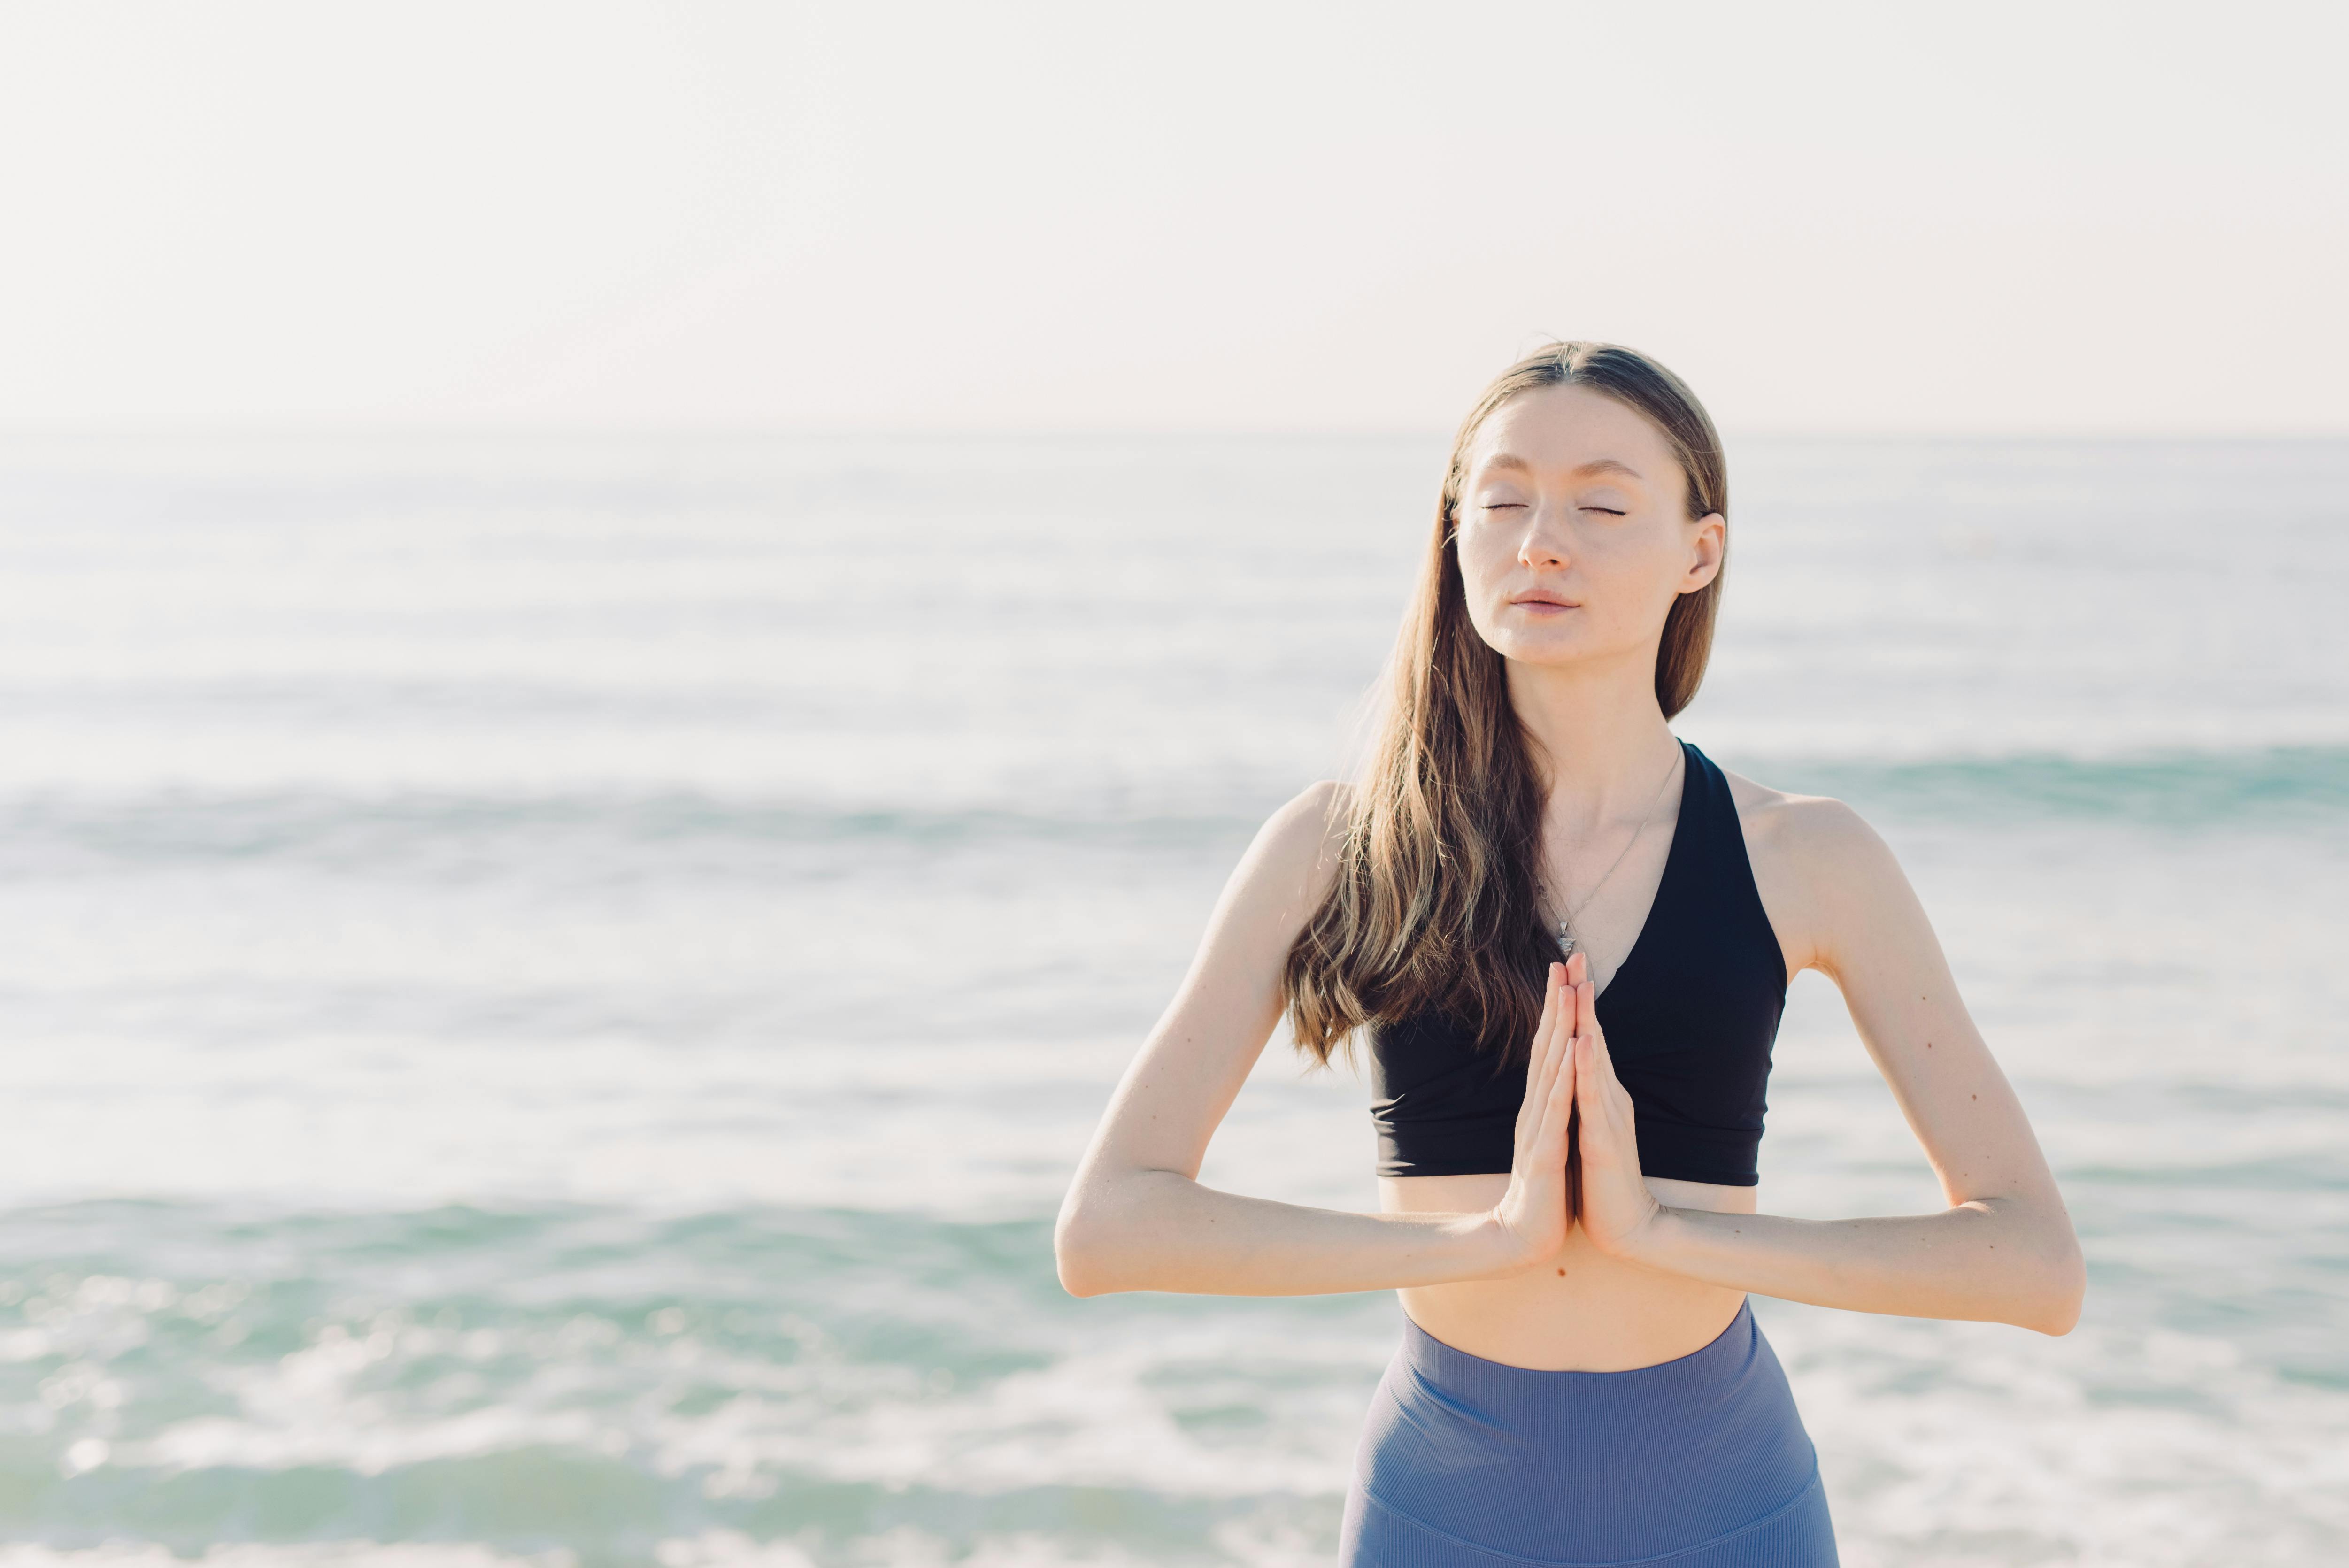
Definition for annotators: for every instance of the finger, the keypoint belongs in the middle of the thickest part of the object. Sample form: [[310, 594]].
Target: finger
[[1573, 1070], [1585, 1109], [1598, 1124], [1559, 1088], [1540, 1041], [1557, 1006], [1597, 1085], [1550, 1043], [1556, 1135], [1586, 1070], [1610, 1104], [1541, 1065], [1556, 999], [1561, 1091], [1586, 1012], [1587, 1022]]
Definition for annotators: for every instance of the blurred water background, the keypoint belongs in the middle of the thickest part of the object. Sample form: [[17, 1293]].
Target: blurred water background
[[552, 987]]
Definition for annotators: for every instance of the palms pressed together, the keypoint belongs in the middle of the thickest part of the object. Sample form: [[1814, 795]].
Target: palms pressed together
[[1577, 1152]]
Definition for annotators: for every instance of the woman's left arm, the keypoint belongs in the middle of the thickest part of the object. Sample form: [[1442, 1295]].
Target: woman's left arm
[[2002, 1251]]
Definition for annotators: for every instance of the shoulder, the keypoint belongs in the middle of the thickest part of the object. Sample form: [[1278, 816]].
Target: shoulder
[[1817, 830], [1310, 823], [1322, 805], [1818, 865], [1293, 860]]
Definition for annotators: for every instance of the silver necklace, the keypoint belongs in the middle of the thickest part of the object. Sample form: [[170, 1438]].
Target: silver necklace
[[1567, 942]]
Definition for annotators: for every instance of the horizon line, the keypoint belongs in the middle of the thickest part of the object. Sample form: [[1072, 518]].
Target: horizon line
[[768, 430]]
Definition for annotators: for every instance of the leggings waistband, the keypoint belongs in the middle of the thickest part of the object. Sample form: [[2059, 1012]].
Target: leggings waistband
[[1587, 1467]]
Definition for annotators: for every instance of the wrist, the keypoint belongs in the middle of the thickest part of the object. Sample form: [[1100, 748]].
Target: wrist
[[1653, 1243], [1496, 1249], [1645, 1245]]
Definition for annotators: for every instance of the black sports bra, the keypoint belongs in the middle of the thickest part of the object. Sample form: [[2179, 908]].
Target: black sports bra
[[1690, 1016]]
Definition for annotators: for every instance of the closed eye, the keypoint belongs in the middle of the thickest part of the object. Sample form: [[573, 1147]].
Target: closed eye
[[1607, 510]]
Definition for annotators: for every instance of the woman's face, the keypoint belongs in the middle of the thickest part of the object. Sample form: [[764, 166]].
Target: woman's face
[[1573, 536]]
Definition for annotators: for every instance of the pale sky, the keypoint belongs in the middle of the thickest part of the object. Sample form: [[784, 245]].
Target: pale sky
[[1992, 217]]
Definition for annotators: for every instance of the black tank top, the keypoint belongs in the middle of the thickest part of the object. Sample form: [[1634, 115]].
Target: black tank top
[[1690, 1015]]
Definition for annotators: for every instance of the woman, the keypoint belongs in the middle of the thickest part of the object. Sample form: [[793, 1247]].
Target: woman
[[1567, 1149]]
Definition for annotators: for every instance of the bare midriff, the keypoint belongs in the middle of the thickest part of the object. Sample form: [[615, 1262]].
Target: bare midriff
[[1579, 1311]]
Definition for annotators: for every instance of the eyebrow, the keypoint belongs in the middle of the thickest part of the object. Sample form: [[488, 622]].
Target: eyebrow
[[1596, 466]]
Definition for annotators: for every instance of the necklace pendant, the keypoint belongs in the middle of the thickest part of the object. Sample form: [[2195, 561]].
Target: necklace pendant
[[1566, 943]]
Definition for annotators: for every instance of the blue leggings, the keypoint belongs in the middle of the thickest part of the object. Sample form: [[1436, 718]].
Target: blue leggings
[[1697, 1463]]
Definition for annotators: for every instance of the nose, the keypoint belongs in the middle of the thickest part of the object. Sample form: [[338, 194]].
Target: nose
[[1544, 546]]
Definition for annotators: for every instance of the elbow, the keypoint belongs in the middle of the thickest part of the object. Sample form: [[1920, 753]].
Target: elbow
[[1082, 1253], [1110, 1235], [2039, 1277], [1077, 1259], [2062, 1285]]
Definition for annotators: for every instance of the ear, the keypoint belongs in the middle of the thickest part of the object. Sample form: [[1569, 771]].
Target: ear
[[1706, 546]]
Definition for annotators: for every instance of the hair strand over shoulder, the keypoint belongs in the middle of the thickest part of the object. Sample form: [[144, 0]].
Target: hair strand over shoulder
[[1436, 905]]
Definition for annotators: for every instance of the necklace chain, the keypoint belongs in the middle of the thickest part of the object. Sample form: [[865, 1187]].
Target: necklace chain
[[1567, 941]]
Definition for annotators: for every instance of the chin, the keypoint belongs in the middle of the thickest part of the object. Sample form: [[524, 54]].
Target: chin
[[1540, 650]]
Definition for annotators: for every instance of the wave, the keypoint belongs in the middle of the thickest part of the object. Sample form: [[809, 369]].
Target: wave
[[579, 1383], [2270, 787], [428, 833], [2176, 789]]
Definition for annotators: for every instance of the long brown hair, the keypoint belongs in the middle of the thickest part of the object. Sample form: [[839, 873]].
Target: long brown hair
[[1436, 905]]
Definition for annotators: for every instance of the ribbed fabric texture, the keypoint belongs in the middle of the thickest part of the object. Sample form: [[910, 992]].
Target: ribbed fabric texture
[[1697, 1463]]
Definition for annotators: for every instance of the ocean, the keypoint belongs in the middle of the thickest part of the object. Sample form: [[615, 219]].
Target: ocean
[[551, 986]]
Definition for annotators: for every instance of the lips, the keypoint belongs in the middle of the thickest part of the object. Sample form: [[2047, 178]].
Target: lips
[[1543, 598]]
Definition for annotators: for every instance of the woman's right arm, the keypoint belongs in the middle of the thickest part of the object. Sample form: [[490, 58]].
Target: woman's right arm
[[1136, 1217]]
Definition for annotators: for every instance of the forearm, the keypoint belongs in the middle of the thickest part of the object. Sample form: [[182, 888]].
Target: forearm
[[1159, 1230], [1986, 1260]]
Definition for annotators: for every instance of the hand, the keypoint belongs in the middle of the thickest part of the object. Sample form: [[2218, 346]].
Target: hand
[[1612, 1200], [1533, 1215]]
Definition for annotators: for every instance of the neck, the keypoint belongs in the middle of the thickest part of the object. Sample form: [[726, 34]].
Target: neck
[[1603, 741]]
